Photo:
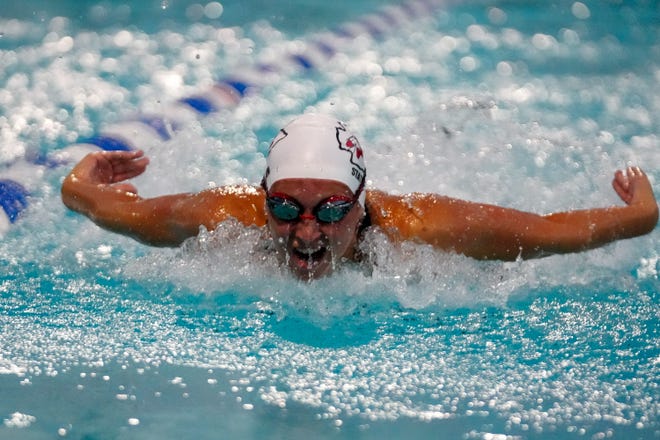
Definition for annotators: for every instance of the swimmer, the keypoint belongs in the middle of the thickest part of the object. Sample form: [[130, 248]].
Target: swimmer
[[314, 205]]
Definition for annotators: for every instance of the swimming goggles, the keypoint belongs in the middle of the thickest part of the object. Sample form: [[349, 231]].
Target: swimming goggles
[[330, 210]]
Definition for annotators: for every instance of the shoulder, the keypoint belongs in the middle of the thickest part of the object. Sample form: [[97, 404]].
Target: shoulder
[[239, 192], [406, 216], [380, 203]]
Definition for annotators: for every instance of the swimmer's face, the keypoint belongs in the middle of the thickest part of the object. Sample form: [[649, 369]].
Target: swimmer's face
[[309, 247]]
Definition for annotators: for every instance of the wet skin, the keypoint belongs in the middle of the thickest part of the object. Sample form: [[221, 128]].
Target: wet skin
[[310, 248]]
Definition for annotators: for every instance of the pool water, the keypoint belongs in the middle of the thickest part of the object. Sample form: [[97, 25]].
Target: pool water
[[528, 106]]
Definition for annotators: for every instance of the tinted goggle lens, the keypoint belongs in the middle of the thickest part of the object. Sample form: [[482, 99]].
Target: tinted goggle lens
[[328, 211], [333, 211], [283, 209]]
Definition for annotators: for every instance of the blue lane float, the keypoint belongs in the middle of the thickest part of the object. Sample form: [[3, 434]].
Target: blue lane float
[[151, 129], [13, 200], [229, 91]]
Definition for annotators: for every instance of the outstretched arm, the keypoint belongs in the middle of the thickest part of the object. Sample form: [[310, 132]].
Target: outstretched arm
[[97, 188], [492, 232]]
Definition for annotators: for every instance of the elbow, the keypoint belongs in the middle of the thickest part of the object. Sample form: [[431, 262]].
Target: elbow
[[68, 193], [653, 219]]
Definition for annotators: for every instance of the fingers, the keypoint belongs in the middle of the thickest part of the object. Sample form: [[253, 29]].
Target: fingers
[[621, 179], [627, 185], [126, 164], [110, 167], [117, 158], [636, 173], [121, 154], [621, 186]]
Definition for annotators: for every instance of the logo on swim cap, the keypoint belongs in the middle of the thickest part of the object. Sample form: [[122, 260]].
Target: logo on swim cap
[[280, 135], [350, 143]]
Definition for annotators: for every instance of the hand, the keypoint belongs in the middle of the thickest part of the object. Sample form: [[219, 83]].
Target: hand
[[633, 187], [107, 168]]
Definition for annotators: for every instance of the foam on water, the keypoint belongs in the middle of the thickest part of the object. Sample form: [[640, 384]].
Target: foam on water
[[470, 103]]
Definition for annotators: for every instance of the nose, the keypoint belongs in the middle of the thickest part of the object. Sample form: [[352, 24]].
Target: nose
[[307, 230]]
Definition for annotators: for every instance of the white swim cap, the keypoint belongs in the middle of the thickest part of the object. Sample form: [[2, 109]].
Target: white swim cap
[[317, 146]]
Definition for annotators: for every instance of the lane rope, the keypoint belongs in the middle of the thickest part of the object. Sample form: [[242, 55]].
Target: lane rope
[[153, 128]]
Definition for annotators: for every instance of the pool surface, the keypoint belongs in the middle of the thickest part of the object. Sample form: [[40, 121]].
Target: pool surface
[[528, 106]]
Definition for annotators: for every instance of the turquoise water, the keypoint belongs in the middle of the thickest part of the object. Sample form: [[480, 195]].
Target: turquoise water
[[501, 102]]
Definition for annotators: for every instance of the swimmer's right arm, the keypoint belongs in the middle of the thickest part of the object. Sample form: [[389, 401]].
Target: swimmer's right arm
[[97, 188]]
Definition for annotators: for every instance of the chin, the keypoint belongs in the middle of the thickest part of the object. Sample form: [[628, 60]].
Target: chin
[[309, 276]]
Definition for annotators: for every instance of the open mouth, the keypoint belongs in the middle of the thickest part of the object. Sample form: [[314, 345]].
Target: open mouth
[[311, 258]]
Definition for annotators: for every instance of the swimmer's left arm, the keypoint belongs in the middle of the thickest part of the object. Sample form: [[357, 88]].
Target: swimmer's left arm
[[599, 226], [491, 232]]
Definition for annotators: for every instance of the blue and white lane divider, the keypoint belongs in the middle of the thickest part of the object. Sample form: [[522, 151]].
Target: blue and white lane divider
[[146, 130], [13, 200]]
